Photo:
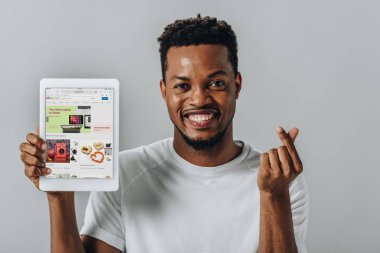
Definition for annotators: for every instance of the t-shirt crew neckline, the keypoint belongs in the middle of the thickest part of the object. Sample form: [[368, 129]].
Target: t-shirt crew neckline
[[208, 171]]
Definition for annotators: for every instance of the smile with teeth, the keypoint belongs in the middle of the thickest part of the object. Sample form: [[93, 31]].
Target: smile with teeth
[[201, 120], [198, 118]]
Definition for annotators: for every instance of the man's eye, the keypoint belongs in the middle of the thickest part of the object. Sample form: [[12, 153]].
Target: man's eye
[[217, 84], [182, 86]]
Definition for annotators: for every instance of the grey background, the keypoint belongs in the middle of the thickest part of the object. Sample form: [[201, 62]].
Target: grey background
[[310, 64]]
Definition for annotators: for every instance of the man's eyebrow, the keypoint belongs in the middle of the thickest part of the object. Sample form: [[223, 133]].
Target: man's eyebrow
[[216, 73], [183, 78]]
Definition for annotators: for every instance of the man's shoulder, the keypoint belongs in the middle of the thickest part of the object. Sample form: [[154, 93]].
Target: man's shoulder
[[136, 161], [253, 155], [151, 153]]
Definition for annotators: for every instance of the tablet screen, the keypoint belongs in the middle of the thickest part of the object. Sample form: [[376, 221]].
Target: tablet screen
[[79, 132]]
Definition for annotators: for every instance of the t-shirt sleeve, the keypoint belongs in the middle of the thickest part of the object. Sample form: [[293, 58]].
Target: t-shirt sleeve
[[300, 211], [103, 219]]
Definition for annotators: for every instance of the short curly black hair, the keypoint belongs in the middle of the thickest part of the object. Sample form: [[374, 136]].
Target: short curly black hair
[[196, 31]]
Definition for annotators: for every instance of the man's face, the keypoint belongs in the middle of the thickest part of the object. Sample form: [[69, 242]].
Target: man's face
[[200, 91]]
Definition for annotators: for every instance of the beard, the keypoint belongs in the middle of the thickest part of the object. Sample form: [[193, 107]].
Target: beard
[[204, 144]]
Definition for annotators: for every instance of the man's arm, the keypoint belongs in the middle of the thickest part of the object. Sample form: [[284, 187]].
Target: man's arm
[[64, 230], [63, 225], [278, 168], [276, 225]]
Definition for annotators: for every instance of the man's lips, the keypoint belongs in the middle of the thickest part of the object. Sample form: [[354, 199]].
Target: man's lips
[[201, 118]]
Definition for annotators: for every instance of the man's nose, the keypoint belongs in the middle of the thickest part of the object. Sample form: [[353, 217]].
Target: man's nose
[[199, 97]]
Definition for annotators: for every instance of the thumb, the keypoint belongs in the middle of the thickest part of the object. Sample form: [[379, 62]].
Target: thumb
[[293, 133], [38, 131]]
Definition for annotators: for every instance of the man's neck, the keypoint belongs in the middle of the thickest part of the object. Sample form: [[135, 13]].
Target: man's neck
[[223, 152]]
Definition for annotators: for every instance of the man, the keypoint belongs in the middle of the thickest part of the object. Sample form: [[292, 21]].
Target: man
[[199, 191]]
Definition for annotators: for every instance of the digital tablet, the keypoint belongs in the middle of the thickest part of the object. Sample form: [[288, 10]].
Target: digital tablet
[[79, 120]]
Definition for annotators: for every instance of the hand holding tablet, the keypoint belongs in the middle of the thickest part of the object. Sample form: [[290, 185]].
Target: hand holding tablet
[[34, 156], [78, 136]]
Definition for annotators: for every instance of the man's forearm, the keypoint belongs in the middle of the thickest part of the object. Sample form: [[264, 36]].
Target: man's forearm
[[276, 225], [64, 231]]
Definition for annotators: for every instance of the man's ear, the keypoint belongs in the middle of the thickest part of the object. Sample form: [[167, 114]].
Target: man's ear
[[163, 89], [238, 81]]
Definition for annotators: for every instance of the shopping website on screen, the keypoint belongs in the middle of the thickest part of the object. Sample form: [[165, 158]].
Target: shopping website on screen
[[79, 132]]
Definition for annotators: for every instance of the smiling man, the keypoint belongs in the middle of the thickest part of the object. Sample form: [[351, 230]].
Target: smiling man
[[200, 88], [200, 191]]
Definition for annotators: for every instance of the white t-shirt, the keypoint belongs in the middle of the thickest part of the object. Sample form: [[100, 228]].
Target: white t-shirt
[[167, 205]]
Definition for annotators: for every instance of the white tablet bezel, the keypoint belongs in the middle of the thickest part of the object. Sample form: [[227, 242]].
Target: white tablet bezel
[[71, 184]]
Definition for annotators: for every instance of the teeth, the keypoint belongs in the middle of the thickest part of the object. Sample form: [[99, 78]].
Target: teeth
[[200, 117]]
